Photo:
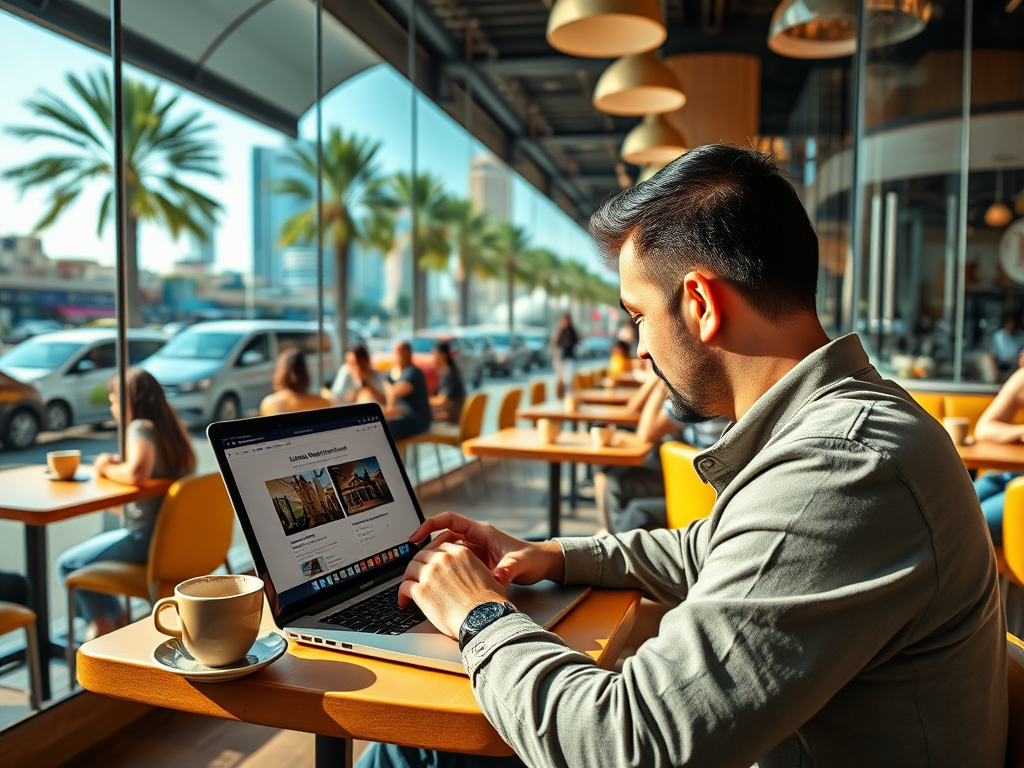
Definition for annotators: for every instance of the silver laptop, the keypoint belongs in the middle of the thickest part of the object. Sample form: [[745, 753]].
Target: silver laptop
[[327, 510]]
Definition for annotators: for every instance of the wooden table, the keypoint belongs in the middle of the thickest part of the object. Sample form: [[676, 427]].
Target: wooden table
[[608, 414], [604, 396], [341, 696], [628, 379], [29, 496], [571, 447], [997, 456]]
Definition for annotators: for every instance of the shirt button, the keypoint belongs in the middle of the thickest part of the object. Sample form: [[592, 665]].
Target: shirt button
[[478, 649], [707, 464]]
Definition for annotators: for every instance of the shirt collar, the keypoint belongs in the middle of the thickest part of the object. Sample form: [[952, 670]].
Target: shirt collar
[[838, 360]]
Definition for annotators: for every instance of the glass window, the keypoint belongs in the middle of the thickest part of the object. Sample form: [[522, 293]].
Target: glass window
[[140, 350], [302, 341], [101, 357], [207, 345], [37, 353], [256, 351]]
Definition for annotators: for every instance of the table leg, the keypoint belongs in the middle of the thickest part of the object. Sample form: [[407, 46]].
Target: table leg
[[36, 567], [554, 499], [333, 752]]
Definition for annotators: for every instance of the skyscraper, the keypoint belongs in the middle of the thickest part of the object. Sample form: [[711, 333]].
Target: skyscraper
[[269, 212], [490, 189]]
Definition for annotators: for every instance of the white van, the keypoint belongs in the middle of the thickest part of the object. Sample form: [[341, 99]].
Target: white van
[[71, 370], [219, 370]]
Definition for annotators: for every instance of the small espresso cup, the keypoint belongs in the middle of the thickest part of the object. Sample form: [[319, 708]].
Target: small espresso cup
[[957, 427], [218, 616], [548, 429], [602, 435], [63, 464]]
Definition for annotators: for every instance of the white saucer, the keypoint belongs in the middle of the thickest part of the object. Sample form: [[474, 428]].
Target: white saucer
[[172, 656]]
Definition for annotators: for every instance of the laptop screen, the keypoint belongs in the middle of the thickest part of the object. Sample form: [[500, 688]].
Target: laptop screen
[[325, 499]]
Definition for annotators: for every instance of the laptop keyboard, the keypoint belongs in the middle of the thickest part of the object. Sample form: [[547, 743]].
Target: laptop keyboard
[[379, 614]]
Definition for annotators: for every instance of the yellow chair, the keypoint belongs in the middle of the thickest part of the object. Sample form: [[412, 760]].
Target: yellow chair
[[191, 538], [932, 402], [579, 382], [471, 424], [1011, 556], [538, 393], [966, 406], [12, 618], [508, 408], [687, 496], [1015, 684]]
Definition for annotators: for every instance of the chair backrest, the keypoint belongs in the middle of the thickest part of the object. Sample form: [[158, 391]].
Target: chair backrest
[[578, 382], [538, 393], [932, 402], [471, 420], [192, 533], [1015, 684], [509, 405], [967, 407], [1013, 529], [688, 497]]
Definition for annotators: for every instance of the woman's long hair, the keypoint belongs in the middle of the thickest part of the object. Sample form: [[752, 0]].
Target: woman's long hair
[[145, 400], [291, 372]]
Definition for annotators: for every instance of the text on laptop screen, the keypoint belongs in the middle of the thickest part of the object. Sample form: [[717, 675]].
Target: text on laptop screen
[[326, 504]]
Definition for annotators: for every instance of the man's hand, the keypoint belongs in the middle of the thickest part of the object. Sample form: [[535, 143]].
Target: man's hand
[[447, 582], [511, 560]]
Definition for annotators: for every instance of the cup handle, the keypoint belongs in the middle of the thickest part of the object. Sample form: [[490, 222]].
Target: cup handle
[[161, 627]]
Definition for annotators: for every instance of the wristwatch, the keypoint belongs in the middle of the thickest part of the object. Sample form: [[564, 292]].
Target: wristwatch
[[482, 617]]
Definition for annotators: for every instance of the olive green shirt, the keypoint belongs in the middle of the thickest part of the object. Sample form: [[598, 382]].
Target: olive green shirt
[[839, 607]]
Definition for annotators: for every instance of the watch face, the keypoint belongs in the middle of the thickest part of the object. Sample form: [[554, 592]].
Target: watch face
[[484, 614]]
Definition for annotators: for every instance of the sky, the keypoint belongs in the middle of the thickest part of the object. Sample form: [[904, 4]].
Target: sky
[[376, 102]]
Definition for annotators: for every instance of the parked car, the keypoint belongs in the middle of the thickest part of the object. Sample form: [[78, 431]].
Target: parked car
[[484, 347], [26, 329], [510, 353], [71, 369], [219, 370], [539, 344], [464, 354], [595, 346], [22, 413]]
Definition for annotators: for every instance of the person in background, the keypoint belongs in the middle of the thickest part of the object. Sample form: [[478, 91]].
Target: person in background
[[563, 346], [451, 392], [408, 402], [15, 588], [996, 426], [357, 381], [634, 497], [1007, 343], [156, 446], [291, 387], [620, 362]]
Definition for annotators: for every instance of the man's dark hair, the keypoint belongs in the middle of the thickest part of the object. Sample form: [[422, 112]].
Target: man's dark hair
[[728, 210]]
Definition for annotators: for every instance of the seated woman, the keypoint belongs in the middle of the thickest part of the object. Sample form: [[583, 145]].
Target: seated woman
[[156, 446], [451, 393], [620, 361], [291, 387], [996, 426], [357, 381]]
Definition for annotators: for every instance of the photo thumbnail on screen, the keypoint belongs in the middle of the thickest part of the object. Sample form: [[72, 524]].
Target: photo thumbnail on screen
[[313, 567], [305, 500], [361, 485]]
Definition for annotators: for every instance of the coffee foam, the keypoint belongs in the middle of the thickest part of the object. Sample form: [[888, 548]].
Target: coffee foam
[[217, 586]]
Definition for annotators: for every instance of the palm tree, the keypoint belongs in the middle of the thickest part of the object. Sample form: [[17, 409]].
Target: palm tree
[[424, 200], [513, 247], [352, 199], [476, 247], [159, 148], [546, 272]]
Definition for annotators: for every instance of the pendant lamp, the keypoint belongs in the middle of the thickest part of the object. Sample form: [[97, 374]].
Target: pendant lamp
[[638, 85], [606, 28], [998, 214], [648, 171], [824, 29], [654, 141]]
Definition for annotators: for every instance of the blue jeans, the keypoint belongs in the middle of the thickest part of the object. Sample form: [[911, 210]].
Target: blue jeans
[[406, 425], [122, 546], [394, 756], [991, 489]]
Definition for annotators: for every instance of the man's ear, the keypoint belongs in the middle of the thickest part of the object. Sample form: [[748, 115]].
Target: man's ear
[[700, 305]]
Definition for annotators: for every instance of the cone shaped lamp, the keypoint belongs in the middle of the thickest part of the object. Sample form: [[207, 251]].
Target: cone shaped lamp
[[653, 142], [638, 85], [824, 29], [648, 172], [606, 28]]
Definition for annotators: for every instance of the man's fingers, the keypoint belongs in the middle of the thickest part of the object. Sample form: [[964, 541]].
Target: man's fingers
[[405, 593], [440, 539], [447, 520]]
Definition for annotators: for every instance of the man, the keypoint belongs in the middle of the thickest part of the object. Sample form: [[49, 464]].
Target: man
[[839, 607], [408, 402]]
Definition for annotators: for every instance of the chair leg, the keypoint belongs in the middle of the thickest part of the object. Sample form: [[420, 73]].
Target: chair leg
[[465, 477], [440, 467], [35, 680], [69, 653]]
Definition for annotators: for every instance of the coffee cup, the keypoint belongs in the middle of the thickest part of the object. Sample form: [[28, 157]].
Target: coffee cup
[[601, 435], [63, 464], [218, 616], [957, 427], [548, 429], [570, 403]]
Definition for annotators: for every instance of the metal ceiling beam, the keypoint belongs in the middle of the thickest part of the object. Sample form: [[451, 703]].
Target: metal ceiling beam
[[617, 137], [541, 66]]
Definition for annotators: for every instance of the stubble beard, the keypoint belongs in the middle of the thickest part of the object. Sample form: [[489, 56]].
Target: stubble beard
[[704, 386]]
